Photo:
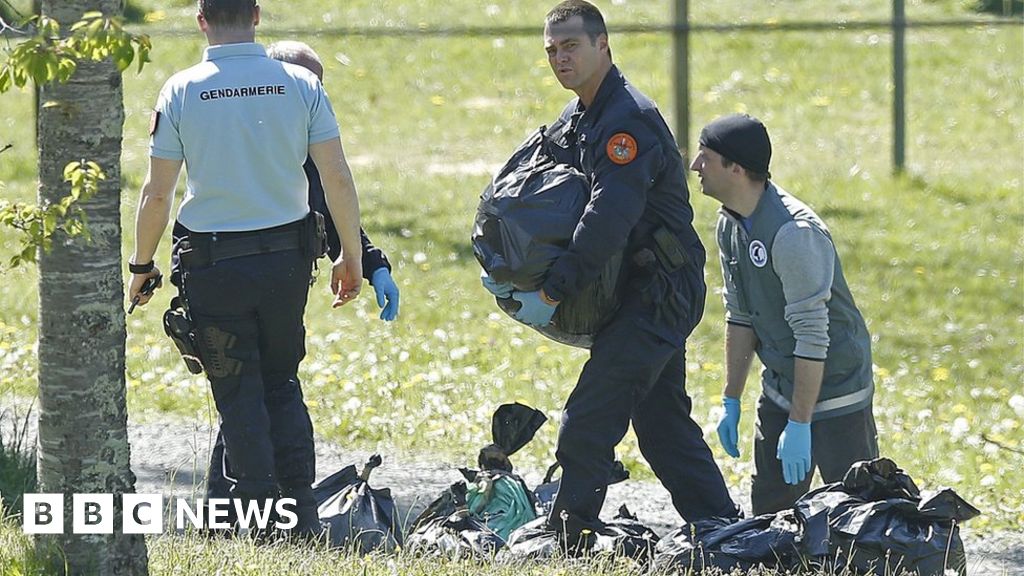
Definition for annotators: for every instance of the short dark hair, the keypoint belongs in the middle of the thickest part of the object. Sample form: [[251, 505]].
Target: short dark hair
[[593, 21], [228, 13]]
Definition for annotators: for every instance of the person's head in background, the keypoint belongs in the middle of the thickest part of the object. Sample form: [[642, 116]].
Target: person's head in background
[[298, 53]]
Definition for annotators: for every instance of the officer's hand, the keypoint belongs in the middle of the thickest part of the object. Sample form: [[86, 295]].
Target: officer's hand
[[346, 280], [728, 426], [534, 311], [499, 289], [135, 294], [387, 293], [795, 451]]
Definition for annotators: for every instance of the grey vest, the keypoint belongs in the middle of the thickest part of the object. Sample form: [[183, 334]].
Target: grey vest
[[847, 385]]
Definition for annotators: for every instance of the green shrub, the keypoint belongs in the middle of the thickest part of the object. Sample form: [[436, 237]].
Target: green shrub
[[17, 463]]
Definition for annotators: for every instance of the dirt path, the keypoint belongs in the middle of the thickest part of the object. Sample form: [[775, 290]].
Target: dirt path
[[170, 457]]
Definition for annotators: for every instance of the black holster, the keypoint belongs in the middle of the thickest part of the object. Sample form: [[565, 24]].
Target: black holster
[[179, 328], [655, 265], [314, 233]]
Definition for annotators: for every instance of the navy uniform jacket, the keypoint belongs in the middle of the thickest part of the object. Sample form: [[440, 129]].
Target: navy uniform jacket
[[373, 257], [638, 184]]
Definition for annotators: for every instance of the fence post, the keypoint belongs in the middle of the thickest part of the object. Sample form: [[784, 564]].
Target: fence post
[[681, 73], [899, 129]]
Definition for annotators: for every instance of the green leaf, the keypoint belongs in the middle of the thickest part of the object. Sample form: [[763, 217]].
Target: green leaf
[[70, 169], [49, 222]]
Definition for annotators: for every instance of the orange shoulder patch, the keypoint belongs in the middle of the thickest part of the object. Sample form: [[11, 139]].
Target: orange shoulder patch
[[621, 148]]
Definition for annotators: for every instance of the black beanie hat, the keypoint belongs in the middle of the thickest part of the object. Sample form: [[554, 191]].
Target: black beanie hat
[[740, 138]]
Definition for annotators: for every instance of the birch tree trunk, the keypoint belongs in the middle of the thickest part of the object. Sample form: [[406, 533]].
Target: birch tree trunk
[[83, 439]]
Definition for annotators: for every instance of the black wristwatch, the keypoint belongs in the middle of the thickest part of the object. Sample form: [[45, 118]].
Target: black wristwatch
[[141, 268]]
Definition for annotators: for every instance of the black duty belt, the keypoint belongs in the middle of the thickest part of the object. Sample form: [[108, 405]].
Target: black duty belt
[[210, 248]]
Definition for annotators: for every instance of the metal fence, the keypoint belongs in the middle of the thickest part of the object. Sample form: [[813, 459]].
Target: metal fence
[[681, 29], [898, 24]]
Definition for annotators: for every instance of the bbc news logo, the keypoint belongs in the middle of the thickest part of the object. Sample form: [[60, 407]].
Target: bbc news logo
[[144, 514]]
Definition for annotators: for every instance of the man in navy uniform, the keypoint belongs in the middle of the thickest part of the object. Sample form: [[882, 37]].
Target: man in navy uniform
[[639, 203], [376, 267], [244, 124], [786, 299]]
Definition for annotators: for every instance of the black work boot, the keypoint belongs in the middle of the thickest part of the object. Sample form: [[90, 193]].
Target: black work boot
[[262, 535], [308, 527], [575, 535]]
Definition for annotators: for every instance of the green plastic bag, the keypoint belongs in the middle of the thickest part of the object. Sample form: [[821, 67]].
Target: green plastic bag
[[500, 501]]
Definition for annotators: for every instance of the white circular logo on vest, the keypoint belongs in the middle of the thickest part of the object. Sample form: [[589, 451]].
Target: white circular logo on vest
[[758, 253]]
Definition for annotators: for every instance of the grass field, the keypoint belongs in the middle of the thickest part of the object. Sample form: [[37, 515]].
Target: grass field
[[934, 258], [196, 556]]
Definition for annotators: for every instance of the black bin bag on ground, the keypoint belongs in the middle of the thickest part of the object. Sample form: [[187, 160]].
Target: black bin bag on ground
[[768, 540], [525, 220], [874, 522], [355, 515], [475, 516], [624, 536]]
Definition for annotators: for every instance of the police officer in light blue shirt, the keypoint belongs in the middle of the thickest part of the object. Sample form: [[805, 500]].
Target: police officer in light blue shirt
[[376, 266], [243, 124]]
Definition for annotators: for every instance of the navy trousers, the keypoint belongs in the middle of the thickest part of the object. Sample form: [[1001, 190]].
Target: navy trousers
[[634, 376], [836, 443], [248, 315]]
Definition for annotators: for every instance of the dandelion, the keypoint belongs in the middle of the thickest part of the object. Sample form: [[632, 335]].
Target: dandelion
[[960, 428], [1017, 403]]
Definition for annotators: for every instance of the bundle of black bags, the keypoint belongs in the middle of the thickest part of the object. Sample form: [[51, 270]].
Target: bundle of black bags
[[526, 220], [474, 517], [494, 514], [874, 522], [623, 536]]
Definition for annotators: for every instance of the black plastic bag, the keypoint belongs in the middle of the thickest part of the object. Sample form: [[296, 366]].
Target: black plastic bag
[[873, 522], [472, 518], [525, 221], [446, 528], [355, 515], [768, 540], [876, 521], [623, 536]]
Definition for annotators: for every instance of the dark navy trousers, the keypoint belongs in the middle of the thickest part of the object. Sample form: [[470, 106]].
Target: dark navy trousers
[[248, 314], [836, 444], [634, 376]]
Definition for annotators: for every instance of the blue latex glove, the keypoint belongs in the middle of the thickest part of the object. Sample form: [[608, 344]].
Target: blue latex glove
[[795, 451], [500, 289], [387, 293], [534, 311], [728, 426]]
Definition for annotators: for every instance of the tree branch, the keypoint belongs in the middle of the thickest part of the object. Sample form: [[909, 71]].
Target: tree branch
[[4, 26]]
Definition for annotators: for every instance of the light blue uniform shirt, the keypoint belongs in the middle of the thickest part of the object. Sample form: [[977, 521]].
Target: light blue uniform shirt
[[243, 124]]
